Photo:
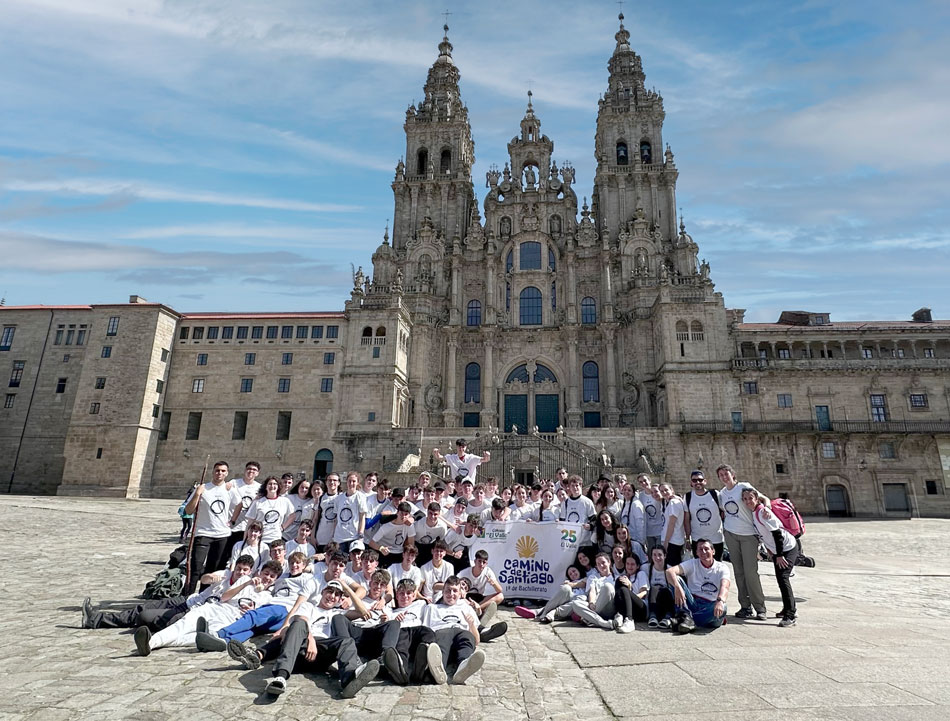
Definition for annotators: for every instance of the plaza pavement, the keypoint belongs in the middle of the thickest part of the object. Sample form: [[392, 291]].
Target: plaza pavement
[[873, 640]]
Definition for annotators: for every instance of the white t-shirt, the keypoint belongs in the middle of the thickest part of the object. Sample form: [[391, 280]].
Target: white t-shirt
[[303, 508], [348, 512], [394, 536], [477, 508], [373, 505], [460, 615], [673, 516], [271, 512], [412, 614], [598, 583], [433, 575], [212, 519], [305, 548], [516, 513], [738, 519], [577, 510], [320, 581], [259, 553], [327, 518], [652, 514], [398, 573], [320, 620], [465, 468], [633, 517], [705, 522], [705, 582], [426, 534], [658, 578], [640, 582], [242, 494], [482, 583], [288, 588], [766, 522], [458, 541]]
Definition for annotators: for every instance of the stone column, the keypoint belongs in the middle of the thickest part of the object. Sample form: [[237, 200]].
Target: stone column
[[571, 289], [613, 410], [489, 416], [450, 416], [574, 413]]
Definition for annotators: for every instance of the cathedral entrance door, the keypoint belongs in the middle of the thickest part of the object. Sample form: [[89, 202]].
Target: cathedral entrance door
[[516, 412], [546, 416]]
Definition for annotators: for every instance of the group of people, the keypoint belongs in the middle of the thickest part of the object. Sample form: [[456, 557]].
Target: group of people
[[372, 577]]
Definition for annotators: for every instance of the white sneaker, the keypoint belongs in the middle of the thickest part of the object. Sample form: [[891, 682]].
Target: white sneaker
[[275, 686], [434, 662], [618, 621], [468, 667], [627, 626]]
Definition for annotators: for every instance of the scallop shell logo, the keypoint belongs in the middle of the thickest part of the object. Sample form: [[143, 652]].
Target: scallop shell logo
[[527, 547]]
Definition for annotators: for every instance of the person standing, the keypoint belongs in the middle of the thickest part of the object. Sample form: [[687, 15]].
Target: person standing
[[743, 545], [243, 492], [674, 532], [782, 549], [460, 463], [703, 520], [209, 502], [652, 510]]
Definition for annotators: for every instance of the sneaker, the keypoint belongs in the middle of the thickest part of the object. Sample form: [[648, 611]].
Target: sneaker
[[469, 667], [364, 674], [653, 623], [393, 663], [496, 631], [666, 622], [275, 686], [745, 613], [524, 612], [761, 615], [244, 654], [434, 662], [787, 621], [419, 665], [209, 642], [627, 626], [545, 619], [201, 625], [141, 637], [618, 621], [488, 614], [686, 623], [87, 612], [780, 614]]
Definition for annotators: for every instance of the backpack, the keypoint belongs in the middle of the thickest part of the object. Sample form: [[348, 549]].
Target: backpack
[[167, 583], [712, 491], [784, 510], [177, 557]]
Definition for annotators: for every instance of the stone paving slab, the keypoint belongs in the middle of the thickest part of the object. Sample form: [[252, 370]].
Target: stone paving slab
[[854, 652]]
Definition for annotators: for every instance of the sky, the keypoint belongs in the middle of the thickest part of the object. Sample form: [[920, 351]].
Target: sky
[[223, 155]]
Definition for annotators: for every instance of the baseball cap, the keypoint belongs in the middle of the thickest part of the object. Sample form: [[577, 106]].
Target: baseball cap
[[336, 585], [357, 546]]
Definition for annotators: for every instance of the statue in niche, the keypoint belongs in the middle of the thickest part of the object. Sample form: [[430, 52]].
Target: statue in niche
[[641, 263], [529, 177], [555, 224], [505, 227], [664, 273], [399, 277]]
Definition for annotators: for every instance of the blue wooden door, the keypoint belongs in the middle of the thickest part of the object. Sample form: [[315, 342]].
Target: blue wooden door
[[546, 415], [516, 412]]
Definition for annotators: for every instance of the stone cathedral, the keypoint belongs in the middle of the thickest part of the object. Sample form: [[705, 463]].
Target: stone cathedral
[[546, 329]]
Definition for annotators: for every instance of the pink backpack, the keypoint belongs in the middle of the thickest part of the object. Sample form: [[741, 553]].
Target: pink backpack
[[785, 511]]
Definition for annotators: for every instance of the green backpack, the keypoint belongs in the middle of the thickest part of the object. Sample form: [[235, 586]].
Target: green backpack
[[167, 583]]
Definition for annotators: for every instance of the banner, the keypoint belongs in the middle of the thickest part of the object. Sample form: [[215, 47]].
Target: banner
[[530, 559]]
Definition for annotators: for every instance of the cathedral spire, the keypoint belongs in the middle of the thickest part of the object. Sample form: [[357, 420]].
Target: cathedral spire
[[626, 69]]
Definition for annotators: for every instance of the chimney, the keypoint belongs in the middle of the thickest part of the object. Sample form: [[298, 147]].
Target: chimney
[[137, 299]]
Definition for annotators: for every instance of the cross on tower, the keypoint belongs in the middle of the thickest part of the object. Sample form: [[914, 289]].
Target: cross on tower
[[446, 16]]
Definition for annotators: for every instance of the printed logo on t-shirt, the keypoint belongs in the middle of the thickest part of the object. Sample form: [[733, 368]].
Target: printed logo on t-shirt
[[217, 507], [271, 517], [710, 588], [732, 508], [650, 511], [573, 517], [345, 515], [246, 502], [246, 604], [399, 539], [451, 618], [703, 515], [426, 539], [284, 591], [330, 513]]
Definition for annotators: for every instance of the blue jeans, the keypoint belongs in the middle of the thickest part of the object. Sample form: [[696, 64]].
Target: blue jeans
[[702, 610], [266, 619]]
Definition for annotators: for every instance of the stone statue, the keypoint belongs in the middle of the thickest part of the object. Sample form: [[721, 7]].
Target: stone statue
[[704, 270], [529, 177], [641, 264], [399, 277], [505, 227], [359, 279], [555, 225]]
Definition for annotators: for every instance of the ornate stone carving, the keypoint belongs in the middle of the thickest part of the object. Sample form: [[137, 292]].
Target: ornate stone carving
[[433, 394]]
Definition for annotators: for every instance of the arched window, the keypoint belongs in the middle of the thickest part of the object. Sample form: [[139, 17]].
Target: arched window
[[322, 463], [474, 313], [445, 162], [552, 259], [422, 162], [367, 332], [518, 374], [531, 256], [473, 383], [622, 157], [381, 331], [696, 330], [588, 310], [530, 303], [646, 152], [509, 261], [591, 382], [682, 330], [543, 373]]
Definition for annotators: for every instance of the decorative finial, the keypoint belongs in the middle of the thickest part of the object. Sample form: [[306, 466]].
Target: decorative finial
[[682, 224], [386, 233], [529, 99]]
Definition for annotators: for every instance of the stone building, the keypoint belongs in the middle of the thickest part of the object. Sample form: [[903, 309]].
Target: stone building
[[549, 331]]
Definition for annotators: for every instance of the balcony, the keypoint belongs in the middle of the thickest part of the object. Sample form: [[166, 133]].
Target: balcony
[[837, 364], [815, 427]]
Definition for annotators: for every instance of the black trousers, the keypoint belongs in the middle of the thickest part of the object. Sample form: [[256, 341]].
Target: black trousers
[[370, 641], [628, 604], [456, 645], [717, 549], [783, 576], [674, 555], [662, 604], [207, 555], [290, 651], [157, 614], [409, 641]]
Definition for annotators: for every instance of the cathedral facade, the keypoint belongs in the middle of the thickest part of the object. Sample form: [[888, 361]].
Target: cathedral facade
[[547, 330]]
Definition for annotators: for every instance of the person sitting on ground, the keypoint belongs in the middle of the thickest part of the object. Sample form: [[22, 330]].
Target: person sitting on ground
[[270, 617], [299, 497], [460, 542], [428, 530], [306, 643], [701, 598], [391, 539], [369, 566], [596, 607], [302, 541], [487, 630], [436, 571], [630, 592], [560, 606], [161, 613], [661, 602], [453, 655], [774, 536], [239, 598], [485, 589], [407, 568], [251, 545], [414, 638]]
